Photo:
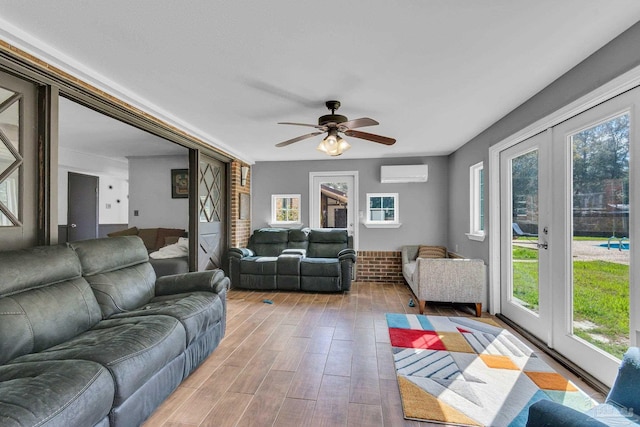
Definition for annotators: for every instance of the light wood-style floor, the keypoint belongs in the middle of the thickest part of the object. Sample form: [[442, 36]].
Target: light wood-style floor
[[305, 360]]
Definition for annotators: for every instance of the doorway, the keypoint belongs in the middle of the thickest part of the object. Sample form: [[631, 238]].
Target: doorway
[[567, 199], [332, 201], [82, 207]]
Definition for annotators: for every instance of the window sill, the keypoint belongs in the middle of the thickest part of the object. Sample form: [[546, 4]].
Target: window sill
[[476, 237], [285, 224], [381, 225]]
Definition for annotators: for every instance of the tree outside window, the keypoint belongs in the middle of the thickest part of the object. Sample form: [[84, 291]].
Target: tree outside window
[[285, 209]]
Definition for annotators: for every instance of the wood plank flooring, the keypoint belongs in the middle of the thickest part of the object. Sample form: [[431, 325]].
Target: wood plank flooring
[[305, 360]]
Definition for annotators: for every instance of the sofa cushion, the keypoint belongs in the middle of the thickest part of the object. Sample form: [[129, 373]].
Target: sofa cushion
[[132, 349], [197, 311], [299, 239], [149, 236], [42, 306], [261, 265], [432, 252], [321, 267], [56, 393], [133, 231], [118, 271], [269, 241], [163, 233], [104, 255], [326, 243], [21, 270], [40, 318]]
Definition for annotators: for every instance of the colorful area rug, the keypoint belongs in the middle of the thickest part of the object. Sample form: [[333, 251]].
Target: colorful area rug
[[471, 372]]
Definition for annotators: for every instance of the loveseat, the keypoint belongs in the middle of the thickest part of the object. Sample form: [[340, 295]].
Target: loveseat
[[435, 274], [318, 260], [89, 337], [621, 407]]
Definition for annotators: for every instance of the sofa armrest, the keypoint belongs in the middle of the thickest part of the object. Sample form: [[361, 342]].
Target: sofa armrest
[[347, 254], [409, 253], [547, 413], [240, 253], [450, 279], [207, 281]]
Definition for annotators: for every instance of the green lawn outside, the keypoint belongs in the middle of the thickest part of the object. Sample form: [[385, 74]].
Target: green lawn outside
[[601, 296]]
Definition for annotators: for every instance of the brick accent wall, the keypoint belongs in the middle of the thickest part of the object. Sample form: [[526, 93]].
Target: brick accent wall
[[240, 228], [379, 266]]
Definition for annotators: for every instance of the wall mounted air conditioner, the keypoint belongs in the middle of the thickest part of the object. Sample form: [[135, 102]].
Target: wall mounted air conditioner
[[404, 173]]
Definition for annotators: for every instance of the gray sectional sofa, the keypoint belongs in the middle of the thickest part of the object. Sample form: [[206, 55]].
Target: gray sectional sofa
[[317, 260], [89, 337]]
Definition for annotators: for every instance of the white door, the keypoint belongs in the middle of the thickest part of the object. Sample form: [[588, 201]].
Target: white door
[[567, 235], [332, 201], [594, 203], [524, 207]]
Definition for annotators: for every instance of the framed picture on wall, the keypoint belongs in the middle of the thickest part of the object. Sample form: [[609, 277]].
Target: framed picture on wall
[[179, 183]]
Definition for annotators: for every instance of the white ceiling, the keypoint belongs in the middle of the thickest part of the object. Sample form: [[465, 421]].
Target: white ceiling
[[84, 130], [434, 73]]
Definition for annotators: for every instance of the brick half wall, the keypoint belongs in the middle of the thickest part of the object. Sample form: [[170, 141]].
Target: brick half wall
[[379, 266]]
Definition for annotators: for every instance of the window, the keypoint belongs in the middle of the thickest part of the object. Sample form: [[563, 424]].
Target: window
[[382, 210], [476, 202], [285, 209]]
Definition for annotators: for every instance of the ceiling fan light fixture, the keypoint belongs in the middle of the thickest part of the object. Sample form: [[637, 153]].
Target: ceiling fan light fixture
[[333, 145]]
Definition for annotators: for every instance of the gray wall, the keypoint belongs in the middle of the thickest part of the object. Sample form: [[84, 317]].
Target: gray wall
[[150, 193], [423, 206], [620, 55]]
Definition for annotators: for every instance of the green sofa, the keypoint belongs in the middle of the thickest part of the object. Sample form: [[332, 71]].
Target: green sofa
[[316, 260]]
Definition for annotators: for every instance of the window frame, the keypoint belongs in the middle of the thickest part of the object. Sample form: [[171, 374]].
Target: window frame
[[395, 223], [476, 202], [274, 221]]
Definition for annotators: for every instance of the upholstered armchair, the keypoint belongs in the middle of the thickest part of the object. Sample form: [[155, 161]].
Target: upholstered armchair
[[621, 408], [434, 274]]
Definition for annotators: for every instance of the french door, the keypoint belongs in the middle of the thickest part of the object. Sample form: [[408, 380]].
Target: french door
[[568, 200], [525, 269]]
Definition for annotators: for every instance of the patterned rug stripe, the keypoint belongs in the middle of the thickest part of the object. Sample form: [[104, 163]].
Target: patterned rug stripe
[[466, 371]]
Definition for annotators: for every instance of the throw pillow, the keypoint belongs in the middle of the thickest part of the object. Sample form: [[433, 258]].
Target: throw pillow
[[133, 231], [149, 236], [163, 233], [432, 252], [170, 240]]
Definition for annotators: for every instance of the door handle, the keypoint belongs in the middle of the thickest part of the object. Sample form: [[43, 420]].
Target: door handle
[[73, 226], [544, 245]]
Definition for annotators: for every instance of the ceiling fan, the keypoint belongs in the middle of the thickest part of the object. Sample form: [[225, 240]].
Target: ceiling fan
[[334, 124]]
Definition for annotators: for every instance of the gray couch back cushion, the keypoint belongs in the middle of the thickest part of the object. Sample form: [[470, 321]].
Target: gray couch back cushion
[[326, 243], [299, 239], [119, 272], [269, 241], [43, 300]]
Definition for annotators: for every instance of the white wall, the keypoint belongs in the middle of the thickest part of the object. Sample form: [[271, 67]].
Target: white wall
[[150, 193], [111, 172]]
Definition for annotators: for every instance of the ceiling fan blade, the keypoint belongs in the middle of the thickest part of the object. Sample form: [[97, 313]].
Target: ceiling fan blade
[[370, 137], [299, 138], [322, 128], [359, 123]]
